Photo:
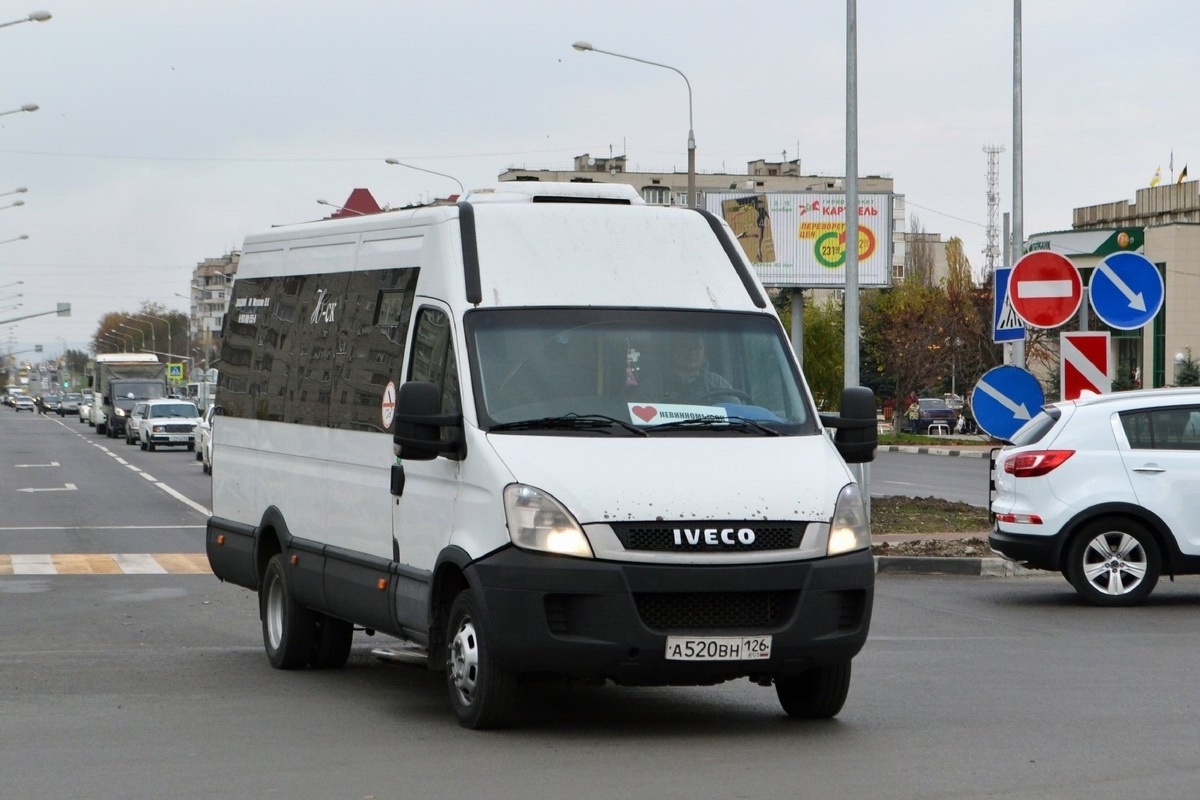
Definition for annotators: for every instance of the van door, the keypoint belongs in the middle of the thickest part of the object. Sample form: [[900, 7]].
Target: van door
[[423, 514]]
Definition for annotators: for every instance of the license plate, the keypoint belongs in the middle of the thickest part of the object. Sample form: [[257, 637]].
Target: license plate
[[178, 437], [718, 648]]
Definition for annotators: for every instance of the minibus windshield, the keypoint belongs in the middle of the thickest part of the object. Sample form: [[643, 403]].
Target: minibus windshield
[[622, 372]]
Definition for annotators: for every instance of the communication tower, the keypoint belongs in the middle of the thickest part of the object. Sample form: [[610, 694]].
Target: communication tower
[[991, 250]]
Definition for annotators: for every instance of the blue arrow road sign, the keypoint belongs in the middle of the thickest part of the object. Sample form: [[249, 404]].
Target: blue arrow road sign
[[1006, 325], [1127, 290], [1005, 399]]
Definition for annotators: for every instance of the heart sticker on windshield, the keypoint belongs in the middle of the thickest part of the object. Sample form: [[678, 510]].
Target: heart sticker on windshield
[[644, 413]]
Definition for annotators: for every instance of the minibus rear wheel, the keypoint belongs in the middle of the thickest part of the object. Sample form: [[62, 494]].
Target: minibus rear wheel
[[481, 693], [289, 629]]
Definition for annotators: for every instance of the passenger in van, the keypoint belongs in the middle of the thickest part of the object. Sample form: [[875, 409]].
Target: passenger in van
[[686, 378]]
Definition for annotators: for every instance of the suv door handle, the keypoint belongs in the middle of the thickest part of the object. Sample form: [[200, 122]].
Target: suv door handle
[[1149, 468]]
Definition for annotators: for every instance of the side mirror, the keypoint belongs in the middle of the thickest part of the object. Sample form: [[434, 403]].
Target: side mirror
[[856, 432], [419, 422]]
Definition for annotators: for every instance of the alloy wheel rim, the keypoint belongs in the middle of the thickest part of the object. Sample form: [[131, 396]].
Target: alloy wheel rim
[[1115, 563]]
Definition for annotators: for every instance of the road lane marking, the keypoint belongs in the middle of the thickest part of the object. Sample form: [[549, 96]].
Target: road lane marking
[[66, 487], [104, 528], [27, 466], [105, 564]]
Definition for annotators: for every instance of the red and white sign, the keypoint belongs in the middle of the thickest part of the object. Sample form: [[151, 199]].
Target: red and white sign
[[1085, 364], [1045, 289], [387, 406]]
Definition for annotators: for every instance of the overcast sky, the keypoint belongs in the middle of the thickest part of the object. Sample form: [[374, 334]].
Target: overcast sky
[[169, 130]]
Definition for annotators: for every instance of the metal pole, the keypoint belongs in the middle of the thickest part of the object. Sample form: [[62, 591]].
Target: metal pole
[[1018, 166], [851, 353], [798, 325]]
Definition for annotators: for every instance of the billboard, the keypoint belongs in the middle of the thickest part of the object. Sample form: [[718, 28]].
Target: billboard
[[799, 238]]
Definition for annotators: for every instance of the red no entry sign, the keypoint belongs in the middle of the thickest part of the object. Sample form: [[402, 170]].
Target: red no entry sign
[[1045, 289]]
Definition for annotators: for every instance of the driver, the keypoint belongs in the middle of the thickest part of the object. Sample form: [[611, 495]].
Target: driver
[[687, 377]]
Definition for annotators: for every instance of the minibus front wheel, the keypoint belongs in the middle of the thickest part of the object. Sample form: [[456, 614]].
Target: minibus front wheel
[[481, 693]]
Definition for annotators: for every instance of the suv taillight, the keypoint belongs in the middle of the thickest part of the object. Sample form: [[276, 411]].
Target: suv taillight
[[1033, 463]]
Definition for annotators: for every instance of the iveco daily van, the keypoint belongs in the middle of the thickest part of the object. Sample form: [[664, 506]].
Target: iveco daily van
[[549, 430]]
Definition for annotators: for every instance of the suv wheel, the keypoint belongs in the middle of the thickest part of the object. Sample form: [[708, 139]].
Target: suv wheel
[[1114, 562]]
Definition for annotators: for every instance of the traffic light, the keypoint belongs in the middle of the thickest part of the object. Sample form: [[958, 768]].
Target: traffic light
[[66, 384]]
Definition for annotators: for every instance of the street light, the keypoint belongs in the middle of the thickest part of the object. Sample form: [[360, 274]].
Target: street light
[[340, 208], [584, 47], [14, 283], [170, 349], [34, 16], [25, 107], [139, 332], [13, 204], [396, 163], [15, 239], [18, 190]]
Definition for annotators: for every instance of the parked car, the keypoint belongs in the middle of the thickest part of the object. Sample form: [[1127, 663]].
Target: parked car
[[935, 411], [24, 402], [204, 438], [1103, 490], [169, 422], [133, 424], [70, 404]]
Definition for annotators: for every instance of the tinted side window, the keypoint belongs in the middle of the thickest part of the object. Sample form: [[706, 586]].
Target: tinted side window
[[1163, 428], [433, 358], [315, 349]]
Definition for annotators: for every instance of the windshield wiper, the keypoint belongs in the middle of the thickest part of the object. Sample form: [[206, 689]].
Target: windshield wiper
[[568, 422], [714, 422]]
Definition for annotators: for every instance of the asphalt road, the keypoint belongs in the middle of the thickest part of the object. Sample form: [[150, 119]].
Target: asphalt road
[[963, 479], [156, 686]]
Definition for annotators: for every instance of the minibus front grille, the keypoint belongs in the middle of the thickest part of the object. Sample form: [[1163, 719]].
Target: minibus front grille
[[666, 612], [691, 537]]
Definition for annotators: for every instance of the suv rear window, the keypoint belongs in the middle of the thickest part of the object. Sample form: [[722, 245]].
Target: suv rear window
[[1033, 431]]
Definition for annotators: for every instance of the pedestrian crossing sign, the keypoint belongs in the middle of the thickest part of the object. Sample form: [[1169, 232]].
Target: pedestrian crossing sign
[[175, 372]]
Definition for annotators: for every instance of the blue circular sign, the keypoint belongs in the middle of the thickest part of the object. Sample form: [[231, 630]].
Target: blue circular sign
[[1126, 290], [1004, 399]]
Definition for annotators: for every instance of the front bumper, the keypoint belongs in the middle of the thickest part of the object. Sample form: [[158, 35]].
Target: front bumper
[[596, 619]]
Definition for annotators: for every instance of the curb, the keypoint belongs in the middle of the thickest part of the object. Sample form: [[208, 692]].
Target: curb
[[934, 451], [937, 565]]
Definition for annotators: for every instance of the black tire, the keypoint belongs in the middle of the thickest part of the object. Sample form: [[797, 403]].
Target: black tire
[[331, 649], [481, 693], [289, 629], [199, 455], [1113, 562], [192, 446], [150, 446], [102, 429], [818, 693]]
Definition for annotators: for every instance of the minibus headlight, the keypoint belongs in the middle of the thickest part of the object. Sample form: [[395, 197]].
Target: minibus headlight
[[849, 529], [536, 521]]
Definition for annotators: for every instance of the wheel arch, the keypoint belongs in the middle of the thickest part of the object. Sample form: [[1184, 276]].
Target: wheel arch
[[1167, 546], [271, 537], [449, 579]]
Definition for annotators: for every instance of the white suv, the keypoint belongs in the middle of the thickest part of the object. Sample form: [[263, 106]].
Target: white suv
[[1105, 490]]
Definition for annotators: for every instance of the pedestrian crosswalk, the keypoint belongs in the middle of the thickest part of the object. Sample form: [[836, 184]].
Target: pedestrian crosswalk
[[104, 564]]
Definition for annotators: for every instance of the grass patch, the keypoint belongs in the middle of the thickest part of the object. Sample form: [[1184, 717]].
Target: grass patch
[[926, 515]]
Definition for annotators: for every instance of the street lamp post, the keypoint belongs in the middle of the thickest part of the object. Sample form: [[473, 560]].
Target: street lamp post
[[170, 349], [15, 239], [13, 204], [395, 163], [25, 107], [692, 199], [34, 16], [18, 190], [341, 208]]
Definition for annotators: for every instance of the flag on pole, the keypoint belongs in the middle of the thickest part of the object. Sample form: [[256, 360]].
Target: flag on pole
[[1182, 175], [1157, 177], [1171, 165]]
